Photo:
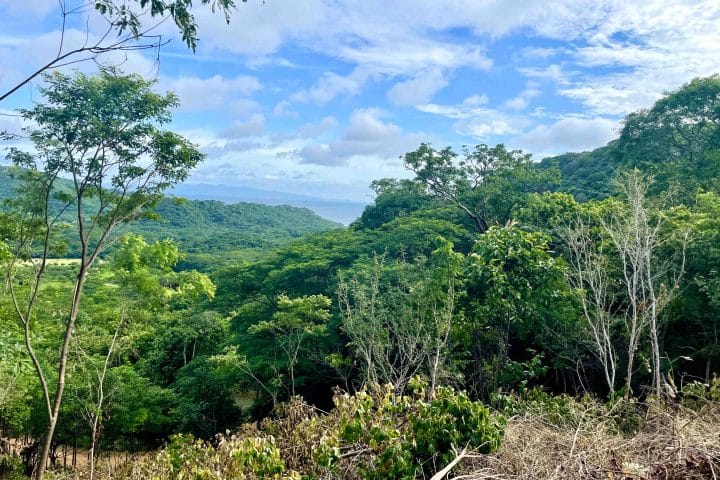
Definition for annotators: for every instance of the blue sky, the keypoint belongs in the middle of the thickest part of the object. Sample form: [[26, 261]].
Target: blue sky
[[320, 97]]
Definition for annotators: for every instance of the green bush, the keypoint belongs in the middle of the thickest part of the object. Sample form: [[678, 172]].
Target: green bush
[[408, 436], [370, 435], [11, 468], [186, 458], [698, 395]]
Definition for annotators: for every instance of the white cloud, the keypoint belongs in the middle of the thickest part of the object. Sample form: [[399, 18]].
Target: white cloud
[[37, 8], [259, 28], [553, 72], [332, 85], [567, 134], [522, 101], [282, 109], [417, 90], [312, 130], [252, 127], [216, 92], [366, 136], [475, 100], [480, 122], [656, 45]]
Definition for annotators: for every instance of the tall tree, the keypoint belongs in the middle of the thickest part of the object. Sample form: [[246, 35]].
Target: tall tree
[[590, 275], [650, 282], [516, 291], [486, 183], [678, 139], [104, 132]]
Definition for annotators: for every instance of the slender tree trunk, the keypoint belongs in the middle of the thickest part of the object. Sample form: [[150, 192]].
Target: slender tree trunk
[[62, 370], [708, 364], [629, 374]]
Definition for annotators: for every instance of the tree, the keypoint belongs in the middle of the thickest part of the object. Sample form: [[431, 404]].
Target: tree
[[516, 291], [104, 132], [696, 309], [399, 315], [393, 199], [590, 275], [295, 321], [650, 282], [382, 317], [95, 410], [443, 295], [677, 140], [125, 29], [486, 183]]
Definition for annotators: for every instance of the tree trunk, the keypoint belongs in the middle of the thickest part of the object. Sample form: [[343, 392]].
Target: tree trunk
[[629, 374], [708, 364], [62, 370]]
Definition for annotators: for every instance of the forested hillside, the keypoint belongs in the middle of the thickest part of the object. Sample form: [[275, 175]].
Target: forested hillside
[[211, 233], [525, 320]]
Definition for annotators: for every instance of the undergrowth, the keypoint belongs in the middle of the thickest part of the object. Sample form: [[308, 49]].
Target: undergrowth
[[533, 435]]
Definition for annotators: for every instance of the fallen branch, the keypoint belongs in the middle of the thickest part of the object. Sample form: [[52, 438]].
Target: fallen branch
[[443, 473]]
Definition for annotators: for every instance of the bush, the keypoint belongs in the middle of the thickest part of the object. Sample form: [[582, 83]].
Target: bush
[[239, 459], [697, 395], [369, 435], [406, 436], [11, 468]]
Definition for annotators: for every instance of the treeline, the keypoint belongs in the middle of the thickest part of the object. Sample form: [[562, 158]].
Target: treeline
[[486, 272]]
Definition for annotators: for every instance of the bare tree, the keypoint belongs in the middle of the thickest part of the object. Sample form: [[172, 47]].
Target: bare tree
[[396, 327], [441, 315], [650, 282], [95, 411], [590, 277]]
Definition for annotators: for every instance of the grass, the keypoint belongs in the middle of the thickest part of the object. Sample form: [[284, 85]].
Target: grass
[[669, 442]]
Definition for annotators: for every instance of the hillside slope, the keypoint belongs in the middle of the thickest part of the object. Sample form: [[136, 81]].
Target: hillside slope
[[212, 231], [586, 175]]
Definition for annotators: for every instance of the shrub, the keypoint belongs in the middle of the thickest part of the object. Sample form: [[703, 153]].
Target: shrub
[[184, 458], [11, 468], [370, 435], [406, 436]]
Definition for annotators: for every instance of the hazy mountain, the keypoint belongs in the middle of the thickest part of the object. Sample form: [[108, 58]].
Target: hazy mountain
[[343, 211]]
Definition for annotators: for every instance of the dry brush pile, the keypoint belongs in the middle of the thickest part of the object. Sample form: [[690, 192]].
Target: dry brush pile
[[562, 438]]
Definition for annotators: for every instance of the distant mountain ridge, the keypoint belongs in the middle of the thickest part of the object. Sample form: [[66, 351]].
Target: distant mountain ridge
[[342, 211]]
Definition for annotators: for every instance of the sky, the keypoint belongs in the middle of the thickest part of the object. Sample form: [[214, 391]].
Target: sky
[[320, 97]]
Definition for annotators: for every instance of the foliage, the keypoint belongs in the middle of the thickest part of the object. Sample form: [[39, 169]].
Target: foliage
[[367, 436], [187, 458], [517, 289], [398, 316], [212, 234], [11, 468], [677, 140], [129, 26], [295, 321], [485, 184], [127, 18], [105, 133], [474, 274], [428, 440], [587, 175]]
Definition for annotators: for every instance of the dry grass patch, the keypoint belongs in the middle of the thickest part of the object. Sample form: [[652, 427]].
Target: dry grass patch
[[669, 443]]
